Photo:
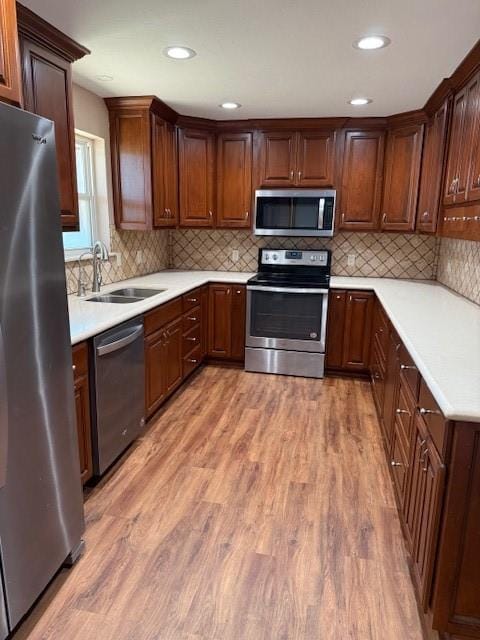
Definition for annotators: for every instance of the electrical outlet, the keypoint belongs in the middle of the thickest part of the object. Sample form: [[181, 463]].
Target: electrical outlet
[[235, 255], [118, 258], [139, 257], [351, 259], [449, 266]]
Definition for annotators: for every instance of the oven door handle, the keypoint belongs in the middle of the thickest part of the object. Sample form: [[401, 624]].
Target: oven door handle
[[252, 287]]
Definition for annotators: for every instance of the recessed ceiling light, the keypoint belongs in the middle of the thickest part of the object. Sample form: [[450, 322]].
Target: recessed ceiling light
[[358, 102], [372, 42], [180, 53], [104, 78], [230, 105]]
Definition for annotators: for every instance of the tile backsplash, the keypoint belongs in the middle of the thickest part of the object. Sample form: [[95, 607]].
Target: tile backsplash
[[459, 267], [153, 256], [375, 254]]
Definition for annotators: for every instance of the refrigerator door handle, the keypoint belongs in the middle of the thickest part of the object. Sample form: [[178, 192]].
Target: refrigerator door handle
[[3, 414]]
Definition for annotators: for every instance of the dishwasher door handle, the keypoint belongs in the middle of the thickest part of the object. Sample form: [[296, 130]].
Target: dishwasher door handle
[[125, 340]]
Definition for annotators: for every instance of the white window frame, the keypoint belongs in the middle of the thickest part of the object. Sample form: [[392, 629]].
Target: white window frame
[[94, 148]]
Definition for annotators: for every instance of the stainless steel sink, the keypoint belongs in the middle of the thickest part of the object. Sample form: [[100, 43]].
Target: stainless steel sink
[[113, 299], [134, 292]]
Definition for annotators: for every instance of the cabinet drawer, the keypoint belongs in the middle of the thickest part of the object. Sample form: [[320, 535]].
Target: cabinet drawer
[[191, 299], [80, 359], [433, 418], [160, 316], [192, 318], [192, 361], [409, 372], [191, 340]]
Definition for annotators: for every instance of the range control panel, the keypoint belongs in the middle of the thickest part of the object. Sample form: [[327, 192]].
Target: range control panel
[[295, 258]]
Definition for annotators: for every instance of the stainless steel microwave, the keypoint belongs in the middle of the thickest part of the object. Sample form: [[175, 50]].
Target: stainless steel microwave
[[294, 212]]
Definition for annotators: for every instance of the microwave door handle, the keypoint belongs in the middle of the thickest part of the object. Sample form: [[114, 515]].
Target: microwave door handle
[[321, 212], [255, 287]]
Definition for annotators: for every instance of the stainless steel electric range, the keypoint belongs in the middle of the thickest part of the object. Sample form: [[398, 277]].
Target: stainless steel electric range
[[287, 313]]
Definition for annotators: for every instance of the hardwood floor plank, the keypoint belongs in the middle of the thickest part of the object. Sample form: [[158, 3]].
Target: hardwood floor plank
[[254, 508]]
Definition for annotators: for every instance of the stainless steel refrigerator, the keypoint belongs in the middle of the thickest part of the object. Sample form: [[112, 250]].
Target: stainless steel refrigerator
[[41, 508]]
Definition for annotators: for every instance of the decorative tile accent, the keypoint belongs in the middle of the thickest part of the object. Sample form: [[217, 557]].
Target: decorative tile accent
[[377, 254], [154, 247], [459, 267]]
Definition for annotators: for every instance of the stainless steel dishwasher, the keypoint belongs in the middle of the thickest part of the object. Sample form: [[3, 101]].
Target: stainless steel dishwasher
[[118, 391]]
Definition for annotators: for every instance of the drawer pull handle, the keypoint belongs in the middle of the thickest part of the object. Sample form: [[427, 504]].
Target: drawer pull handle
[[425, 412], [400, 411], [192, 300], [408, 367], [192, 339], [192, 318], [396, 464], [192, 360]]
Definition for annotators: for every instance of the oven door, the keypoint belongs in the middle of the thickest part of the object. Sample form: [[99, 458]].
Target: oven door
[[293, 319]]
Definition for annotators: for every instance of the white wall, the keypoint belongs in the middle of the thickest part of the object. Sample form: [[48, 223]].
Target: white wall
[[91, 117]]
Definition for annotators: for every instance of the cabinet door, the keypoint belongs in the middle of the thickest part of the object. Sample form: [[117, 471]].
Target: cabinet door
[[358, 328], [362, 180], [455, 145], [234, 180], [428, 509], [432, 168], [131, 167], [238, 311], [315, 166], [392, 379], [418, 452], [196, 162], [82, 411], [219, 320], [173, 355], [48, 93], [278, 158], [10, 86], [399, 464], [402, 172], [163, 173], [155, 364], [468, 142], [335, 329], [473, 184]]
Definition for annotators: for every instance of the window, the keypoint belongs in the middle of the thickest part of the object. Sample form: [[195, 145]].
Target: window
[[74, 242]]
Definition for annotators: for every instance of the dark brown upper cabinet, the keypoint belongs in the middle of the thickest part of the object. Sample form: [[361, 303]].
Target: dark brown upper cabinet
[[234, 180], [10, 83], [402, 172], [297, 158], [361, 192], [144, 164], [432, 169], [46, 58], [196, 150]]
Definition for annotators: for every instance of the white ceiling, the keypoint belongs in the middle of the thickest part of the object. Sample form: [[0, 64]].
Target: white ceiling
[[275, 57]]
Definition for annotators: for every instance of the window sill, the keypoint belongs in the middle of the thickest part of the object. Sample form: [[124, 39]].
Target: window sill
[[74, 256]]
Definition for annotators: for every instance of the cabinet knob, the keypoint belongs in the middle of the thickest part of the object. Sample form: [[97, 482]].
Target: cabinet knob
[[426, 412], [400, 411], [384, 217], [238, 291], [338, 297], [299, 175], [210, 214], [166, 212], [425, 214], [74, 367], [477, 181], [291, 174], [396, 464], [405, 367], [247, 213]]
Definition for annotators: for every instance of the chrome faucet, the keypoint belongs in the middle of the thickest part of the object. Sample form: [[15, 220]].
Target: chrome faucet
[[100, 253]]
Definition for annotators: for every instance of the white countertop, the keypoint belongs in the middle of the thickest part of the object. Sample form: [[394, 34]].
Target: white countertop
[[440, 329]]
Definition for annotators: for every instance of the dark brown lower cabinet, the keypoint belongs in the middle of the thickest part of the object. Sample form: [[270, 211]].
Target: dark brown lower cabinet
[[349, 330], [82, 409], [226, 322]]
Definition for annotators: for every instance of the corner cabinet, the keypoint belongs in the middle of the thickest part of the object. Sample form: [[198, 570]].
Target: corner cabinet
[[402, 172], [297, 158], [144, 164], [350, 316], [196, 152], [10, 83], [432, 170], [234, 180], [46, 58], [362, 177]]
